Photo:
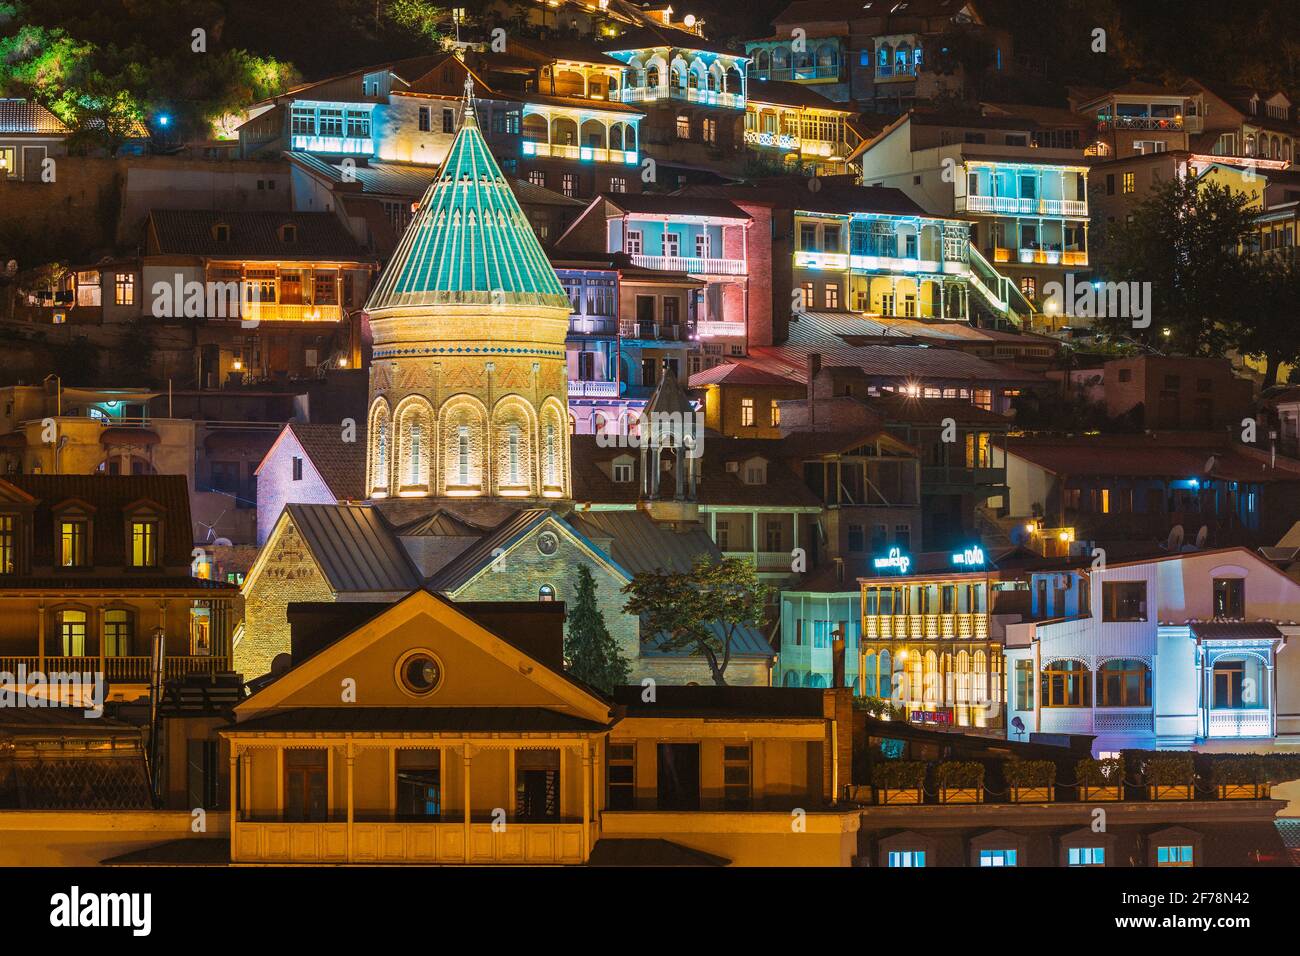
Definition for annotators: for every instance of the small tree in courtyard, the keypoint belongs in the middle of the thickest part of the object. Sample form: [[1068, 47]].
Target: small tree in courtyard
[[590, 652], [701, 610]]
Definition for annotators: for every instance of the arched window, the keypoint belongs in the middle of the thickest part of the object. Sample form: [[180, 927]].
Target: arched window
[[1240, 683], [814, 680], [513, 454], [886, 687], [869, 675], [1066, 684], [462, 454], [119, 632], [381, 454], [1125, 683], [546, 593], [413, 459], [790, 679], [552, 458]]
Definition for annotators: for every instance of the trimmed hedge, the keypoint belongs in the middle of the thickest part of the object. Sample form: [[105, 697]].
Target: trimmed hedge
[[1169, 770], [1029, 773], [1100, 773], [959, 774], [898, 774]]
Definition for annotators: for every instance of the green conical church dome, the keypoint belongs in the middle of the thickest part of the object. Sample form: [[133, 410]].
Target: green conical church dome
[[469, 242]]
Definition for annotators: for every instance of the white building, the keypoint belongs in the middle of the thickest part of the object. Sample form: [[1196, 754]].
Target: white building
[[1174, 652]]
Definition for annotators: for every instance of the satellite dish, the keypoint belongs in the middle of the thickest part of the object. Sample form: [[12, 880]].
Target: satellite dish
[[221, 543], [1175, 538], [1202, 536], [281, 664], [1209, 464]]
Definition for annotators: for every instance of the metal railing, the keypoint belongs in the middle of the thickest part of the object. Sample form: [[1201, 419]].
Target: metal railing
[[692, 264]]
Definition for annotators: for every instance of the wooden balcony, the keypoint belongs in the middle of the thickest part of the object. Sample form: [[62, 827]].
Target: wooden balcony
[[288, 312], [394, 842], [970, 626], [116, 670]]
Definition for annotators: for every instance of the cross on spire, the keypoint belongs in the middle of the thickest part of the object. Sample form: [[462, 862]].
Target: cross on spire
[[469, 94]]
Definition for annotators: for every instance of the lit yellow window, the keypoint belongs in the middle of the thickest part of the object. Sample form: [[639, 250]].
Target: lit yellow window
[[72, 543], [746, 412], [144, 544]]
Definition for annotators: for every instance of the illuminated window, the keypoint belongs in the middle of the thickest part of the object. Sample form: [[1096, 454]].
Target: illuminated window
[[462, 452], [906, 858], [683, 126], [774, 413], [381, 456], [537, 178], [569, 184], [74, 551], [997, 857], [617, 184], [513, 442], [832, 295], [72, 633], [1024, 685], [1028, 286], [552, 469], [1174, 856], [546, 593], [124, 288], [144, 543], [746, 412], [8, 544], [414, 477], [1087, 856], [710, 130], [119, 629], [1130, 183]]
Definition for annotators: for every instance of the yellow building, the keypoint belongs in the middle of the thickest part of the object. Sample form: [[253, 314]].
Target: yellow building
[[423, 737], [792, 124]]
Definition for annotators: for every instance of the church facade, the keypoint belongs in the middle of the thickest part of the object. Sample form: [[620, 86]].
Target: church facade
[[468, 379]]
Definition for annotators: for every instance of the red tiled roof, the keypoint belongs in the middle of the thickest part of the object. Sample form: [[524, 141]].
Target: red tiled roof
[[24, 116], [320, 236]]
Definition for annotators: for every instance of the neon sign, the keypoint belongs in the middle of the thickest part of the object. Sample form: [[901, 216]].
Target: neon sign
[[971, 557], [896, 561]]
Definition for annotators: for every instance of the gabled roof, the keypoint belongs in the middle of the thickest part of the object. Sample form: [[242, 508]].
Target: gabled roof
[[669, 398], [318, 236], [661, 204], [342, 465], [27, 116], [1169, 455], [356, 549], [470, 242], [441, 523], [478, 556], [640, 544], [782, 93], [731, 374]]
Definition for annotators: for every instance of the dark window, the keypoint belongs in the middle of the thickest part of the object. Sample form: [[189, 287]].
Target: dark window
[[1024, 685], [424, 119], [1125, 683], [1066, 684], [203, 775], [297, 469], [449, 121], [736, 776], [225, 476], [1230, 597], [305, 776], [419, 784], [856, 538], [537, 784], [679, 777], [1124, 601], [621, 777]]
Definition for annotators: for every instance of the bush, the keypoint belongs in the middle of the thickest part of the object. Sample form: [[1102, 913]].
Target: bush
[[880, 708], [1100, 773], [959, 774], [898, 774], [1238, 770], [1169, 770], [1029, 773]]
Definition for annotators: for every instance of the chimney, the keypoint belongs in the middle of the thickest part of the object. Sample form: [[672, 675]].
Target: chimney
[[837, 709], [814, 367]]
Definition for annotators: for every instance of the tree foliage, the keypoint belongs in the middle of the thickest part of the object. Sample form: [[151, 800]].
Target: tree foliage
[[590, 652], [701, 611]]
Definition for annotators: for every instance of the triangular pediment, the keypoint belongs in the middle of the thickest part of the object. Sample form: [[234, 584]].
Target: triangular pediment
[[475, 668]]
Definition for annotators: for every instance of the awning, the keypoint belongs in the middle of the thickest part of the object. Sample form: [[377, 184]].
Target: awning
[[1236, 631]]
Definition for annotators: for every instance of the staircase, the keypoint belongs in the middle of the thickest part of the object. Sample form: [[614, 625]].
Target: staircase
[[993, 531], [996, 294]]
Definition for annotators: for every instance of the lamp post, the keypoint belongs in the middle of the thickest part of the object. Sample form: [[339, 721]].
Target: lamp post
[[155, 699]]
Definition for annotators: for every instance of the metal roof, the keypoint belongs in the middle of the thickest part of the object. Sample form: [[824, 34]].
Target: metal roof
[[470, 242], [429, 719], [356, 548]]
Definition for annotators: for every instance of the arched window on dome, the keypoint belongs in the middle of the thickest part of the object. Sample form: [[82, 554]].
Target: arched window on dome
[[414, 455], [513, 454], [552, 456], [462, 454]]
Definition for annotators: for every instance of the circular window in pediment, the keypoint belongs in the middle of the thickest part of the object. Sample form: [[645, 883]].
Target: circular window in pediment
[[419, 673], [548, 542]]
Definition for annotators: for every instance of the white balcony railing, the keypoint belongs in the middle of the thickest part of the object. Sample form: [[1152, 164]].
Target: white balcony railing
[[1167, 123], [1225, 722], [718, 330], [593, 389], [692, 264], [589, 154], [1016, 206]]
